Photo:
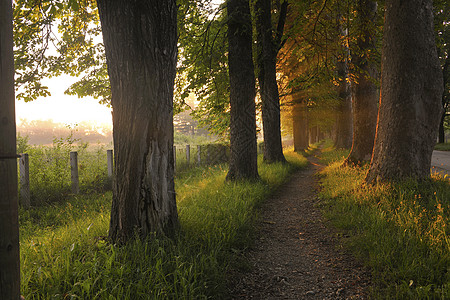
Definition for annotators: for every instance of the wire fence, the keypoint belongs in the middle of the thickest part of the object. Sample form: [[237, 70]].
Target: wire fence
[[50, 173]]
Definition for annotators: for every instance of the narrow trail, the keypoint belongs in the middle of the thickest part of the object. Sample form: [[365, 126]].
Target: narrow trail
[[296, 256]]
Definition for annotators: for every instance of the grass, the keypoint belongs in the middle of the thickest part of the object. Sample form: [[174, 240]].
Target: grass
[[64, 254], [399, 230], [442, 147], [49, 165]]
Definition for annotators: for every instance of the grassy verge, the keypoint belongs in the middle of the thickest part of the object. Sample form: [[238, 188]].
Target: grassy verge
[[401, 231], [64, 254], [442, 147]]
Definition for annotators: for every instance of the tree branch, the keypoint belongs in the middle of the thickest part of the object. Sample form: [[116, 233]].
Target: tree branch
[[280, 27]]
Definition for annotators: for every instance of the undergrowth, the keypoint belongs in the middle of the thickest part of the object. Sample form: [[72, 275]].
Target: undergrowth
[[442, 147], [401, 230], [64, 254]]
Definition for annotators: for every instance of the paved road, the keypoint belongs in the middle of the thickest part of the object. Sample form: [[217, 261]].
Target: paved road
[[440, 162]]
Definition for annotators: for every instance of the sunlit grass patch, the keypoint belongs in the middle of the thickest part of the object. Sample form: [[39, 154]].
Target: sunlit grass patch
[[399, 230], [64, 254], [330, 154]]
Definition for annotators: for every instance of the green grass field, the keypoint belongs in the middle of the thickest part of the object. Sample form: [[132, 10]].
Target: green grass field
[[64, 254], [400, 231]]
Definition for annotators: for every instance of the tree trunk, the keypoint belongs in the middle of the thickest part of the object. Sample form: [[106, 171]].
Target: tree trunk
[[445, 100], [344, 118], [140, 40], [9, 224], [314, 134], [300, 127], [243, 157], [411, 91], [365, 91], [344, 115], [441, 134], [267, 77]]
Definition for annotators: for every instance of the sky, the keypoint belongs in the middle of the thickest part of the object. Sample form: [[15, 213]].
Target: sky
[[63, 108]]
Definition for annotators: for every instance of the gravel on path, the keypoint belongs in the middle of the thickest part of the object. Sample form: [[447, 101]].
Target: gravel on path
[[296, 254]]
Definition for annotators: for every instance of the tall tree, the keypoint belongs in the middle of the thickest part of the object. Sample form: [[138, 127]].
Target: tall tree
[[442, 30], [445, 99], [365, 90], [140, 40], [9, 224], [243, 160], [269, 43], [344, 114], [411, 91], [300, 126]]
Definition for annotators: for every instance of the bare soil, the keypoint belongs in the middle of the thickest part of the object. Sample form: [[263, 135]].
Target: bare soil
[[297, 255]]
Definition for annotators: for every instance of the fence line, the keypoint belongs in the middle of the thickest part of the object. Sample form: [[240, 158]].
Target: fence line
[[24, 169], [206, 154], [188, 154], [74, 172], [109, 161]]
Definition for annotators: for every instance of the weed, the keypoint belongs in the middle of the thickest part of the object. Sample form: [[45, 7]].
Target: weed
[[399, 230]]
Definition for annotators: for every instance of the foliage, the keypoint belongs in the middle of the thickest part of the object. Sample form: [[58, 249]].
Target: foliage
[[400, 231], [64, 254], [203, 64], [307, 61], [442, 147], [54, 37], [181, 139], [319, 35]]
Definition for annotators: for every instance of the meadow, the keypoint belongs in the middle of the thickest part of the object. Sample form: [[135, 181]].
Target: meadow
[[65, 253], [400, 230]]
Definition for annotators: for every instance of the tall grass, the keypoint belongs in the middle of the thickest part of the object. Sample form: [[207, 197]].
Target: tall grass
[[401, 231], [64, 254], [50, 168]]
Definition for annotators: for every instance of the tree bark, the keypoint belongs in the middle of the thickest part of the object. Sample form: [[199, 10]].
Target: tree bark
[[445, 101], [300, 127], [268, 47], [314, 134], [365, 91], [344, 114], [140, 40], [441, 132], [411, 91], [9, 224], [243, 157]]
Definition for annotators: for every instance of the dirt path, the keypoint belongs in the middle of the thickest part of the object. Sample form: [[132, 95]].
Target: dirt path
[[296, 256]]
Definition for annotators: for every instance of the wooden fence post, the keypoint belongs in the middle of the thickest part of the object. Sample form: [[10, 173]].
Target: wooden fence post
[[74, 172], [109, 161], [24, 167], [188, 154], [174, 159], [199, 152]]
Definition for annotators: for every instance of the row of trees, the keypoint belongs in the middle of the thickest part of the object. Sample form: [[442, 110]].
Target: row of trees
[[336, 63], [141, 47]]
